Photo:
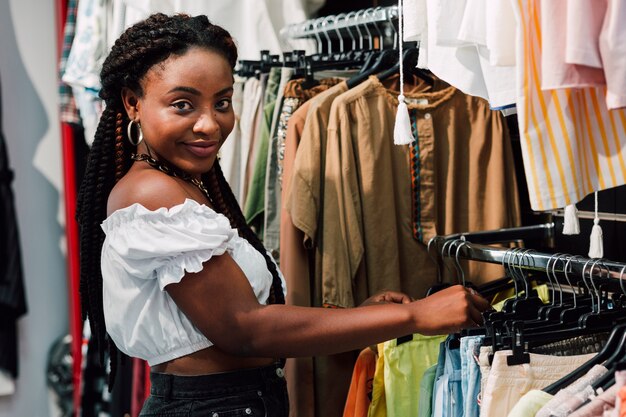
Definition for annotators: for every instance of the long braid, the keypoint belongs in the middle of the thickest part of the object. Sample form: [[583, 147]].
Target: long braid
[[121, 163], [96, 185], [226, 202], [138, 49]]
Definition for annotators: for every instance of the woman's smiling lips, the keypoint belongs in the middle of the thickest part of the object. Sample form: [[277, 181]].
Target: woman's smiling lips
[[202, 148]]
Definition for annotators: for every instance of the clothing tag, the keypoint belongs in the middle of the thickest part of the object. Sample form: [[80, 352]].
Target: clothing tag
[[417, 101]]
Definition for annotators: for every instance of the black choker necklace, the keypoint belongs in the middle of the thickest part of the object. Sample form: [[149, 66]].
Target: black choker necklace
[[171, 171]]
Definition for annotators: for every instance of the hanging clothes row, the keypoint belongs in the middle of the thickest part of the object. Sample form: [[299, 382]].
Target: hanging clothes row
[[560, 63], [356, 211], [554, 347]]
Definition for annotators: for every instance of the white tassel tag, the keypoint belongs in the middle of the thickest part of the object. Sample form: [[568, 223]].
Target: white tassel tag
[[571, 226], [596, 248], [402, 132]]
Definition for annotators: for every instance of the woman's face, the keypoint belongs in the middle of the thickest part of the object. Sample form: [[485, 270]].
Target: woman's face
[[186, 110]]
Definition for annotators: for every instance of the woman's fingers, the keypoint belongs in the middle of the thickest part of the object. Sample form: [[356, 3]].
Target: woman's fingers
[[396, 297]]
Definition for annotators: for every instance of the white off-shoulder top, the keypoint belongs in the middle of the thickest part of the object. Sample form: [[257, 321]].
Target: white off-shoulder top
[[146, 250]]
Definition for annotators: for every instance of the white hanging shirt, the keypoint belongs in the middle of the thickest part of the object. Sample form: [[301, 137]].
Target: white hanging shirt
[[456, 49], [414, 23], [499, 80], [459, 66], [500, 33]]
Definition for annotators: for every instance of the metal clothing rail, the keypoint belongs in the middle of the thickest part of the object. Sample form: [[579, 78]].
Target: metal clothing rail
[[544, 231], [333, 24], [575, 266], [590, 215]]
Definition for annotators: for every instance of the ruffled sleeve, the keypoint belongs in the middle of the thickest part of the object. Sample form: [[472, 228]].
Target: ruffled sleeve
[[166, 243]]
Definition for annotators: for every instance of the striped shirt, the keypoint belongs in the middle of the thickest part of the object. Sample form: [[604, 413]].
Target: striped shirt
[[571, 142]]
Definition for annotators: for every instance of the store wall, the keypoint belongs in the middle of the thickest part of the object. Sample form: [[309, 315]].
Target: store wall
[[29, 107]]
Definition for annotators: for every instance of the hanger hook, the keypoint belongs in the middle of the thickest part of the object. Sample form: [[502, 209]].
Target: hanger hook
[[526, 255], [446, 245], [432, 258], [357, 26], [566, 272], [381, 44], [586, 284], [553, 259], [327, 20], [506, 264], [592, 282], [392, 13], [462, 243], [512, 267], [370, 38], [452, 244], [602, 267], [341, 17], [559, 257], [315, 26], [347, 19]]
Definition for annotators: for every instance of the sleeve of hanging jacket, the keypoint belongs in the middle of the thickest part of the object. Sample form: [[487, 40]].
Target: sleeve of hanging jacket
[[342, 238]]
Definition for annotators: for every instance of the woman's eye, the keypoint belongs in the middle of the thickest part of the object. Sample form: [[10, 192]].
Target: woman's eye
[[223, 104], [182, 105]]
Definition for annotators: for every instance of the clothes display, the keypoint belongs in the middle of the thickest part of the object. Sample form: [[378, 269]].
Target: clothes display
[[561, 65], [345, 213]]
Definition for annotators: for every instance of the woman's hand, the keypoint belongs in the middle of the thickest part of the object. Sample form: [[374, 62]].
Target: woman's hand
[[450, 310], [385, 297]]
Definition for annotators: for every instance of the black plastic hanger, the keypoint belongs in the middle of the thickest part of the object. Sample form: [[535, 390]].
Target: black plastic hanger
[[383, 60], [619, 356], [409, 62], [592, 320], [613, 347]]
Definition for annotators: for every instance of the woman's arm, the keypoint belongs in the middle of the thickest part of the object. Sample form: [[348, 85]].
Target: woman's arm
[[221, 303]]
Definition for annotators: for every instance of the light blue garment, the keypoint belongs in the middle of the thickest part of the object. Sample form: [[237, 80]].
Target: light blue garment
[[437, 406], [452, 396], [438, 396], [470, 374], [425, 407]]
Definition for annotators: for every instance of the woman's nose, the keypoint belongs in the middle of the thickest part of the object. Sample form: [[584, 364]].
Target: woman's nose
[[206, 124]]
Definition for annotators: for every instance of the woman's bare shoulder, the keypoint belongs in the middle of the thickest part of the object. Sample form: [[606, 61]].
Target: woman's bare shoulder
[[148, 187]]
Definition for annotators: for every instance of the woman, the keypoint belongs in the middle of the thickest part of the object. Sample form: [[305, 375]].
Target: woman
[[170, 272]]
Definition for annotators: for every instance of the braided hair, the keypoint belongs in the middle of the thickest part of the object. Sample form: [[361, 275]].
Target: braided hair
[[138, 49]]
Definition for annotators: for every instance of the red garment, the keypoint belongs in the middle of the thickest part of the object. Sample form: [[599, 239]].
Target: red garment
[[360, 393]]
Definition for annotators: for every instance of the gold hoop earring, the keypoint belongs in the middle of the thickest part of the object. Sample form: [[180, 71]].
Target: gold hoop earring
[[129, 133]]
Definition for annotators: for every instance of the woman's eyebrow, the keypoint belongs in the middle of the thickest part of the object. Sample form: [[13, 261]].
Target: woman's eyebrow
[[184, 89]]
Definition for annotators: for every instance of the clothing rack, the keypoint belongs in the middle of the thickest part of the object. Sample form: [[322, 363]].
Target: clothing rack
[[544, 231], [361, 25], [593, 271], [334, 23], [590, 215]]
